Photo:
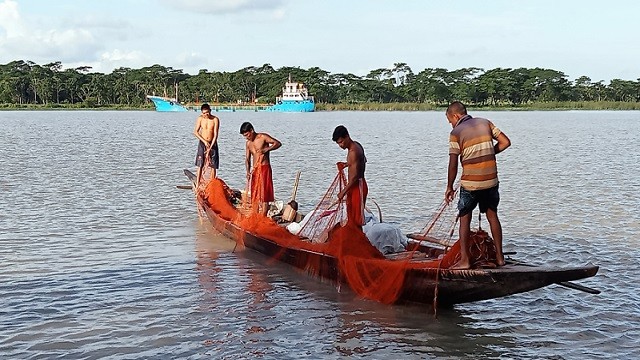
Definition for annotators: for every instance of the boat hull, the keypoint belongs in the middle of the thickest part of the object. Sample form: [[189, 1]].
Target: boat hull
[[166, 105], [461, 286], [293, 106]]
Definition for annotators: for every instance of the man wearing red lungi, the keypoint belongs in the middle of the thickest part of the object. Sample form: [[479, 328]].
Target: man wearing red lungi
[[259, 171], [356, 189]]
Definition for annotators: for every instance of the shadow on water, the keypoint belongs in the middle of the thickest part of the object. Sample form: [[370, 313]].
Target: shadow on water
[[273, 302]]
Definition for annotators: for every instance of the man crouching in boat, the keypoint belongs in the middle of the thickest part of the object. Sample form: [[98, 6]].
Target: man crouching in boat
[[259, 172], [472, 141], [206, 130], [356, 189]]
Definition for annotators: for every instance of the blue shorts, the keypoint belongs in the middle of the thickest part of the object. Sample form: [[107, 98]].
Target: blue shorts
[[486, 198], [214, 156]]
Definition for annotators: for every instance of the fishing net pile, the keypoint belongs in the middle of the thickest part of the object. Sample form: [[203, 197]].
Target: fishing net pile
[[326, 230]]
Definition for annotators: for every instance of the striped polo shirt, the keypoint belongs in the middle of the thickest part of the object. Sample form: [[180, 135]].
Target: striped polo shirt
[[472, 139]]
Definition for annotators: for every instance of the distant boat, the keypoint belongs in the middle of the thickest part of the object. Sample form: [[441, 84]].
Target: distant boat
[[166, 104], [295, 98]]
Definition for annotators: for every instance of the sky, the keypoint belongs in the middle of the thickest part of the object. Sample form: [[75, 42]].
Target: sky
[[598, 39]]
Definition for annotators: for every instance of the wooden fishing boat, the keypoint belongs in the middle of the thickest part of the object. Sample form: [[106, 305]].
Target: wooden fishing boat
[[418, 285]]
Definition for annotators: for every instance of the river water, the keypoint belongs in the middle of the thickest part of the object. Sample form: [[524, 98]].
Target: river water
[[102, 256]]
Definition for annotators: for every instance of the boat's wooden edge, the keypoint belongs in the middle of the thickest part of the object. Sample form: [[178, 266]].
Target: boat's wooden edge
[[190, 175], [422, 237]]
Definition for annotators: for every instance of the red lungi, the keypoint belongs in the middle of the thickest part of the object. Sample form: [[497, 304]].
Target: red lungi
[[262, 184], [356, 198]]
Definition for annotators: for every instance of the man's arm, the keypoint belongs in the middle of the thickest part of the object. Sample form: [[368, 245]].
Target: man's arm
[[247, 160], [216, 127], [354, 163], [502, 143], [452, 173], [273, 143]]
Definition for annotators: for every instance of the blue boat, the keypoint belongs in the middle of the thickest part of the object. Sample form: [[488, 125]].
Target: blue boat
[[166, 104], [295, 98]]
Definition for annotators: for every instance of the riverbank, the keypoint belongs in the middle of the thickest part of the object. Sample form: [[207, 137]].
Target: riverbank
[[541, 106], [65, 107], [553, 105]]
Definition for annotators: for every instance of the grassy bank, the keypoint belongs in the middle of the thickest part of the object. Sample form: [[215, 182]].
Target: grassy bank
[[554, 105], [71, 107]]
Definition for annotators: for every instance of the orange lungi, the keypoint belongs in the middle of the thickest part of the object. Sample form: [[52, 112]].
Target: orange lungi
[[262, 184], [356, 198]]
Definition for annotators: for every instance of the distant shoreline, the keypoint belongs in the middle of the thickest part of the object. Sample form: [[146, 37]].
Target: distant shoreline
[[545, 106]]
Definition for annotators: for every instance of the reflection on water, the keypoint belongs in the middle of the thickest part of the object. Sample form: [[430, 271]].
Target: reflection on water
[[332, 321], [102, 256]]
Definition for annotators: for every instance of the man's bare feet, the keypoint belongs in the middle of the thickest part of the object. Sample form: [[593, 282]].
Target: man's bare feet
[[500, 262]]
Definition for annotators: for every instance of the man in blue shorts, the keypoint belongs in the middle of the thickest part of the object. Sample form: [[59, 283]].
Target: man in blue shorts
[[206, 130], [472, 140]]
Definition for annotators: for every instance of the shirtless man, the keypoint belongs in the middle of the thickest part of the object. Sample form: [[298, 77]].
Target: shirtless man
[[356, 189], [259, 171], [206, 130]]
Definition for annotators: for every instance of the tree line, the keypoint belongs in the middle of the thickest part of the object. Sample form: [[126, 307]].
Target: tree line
[[24, 82]]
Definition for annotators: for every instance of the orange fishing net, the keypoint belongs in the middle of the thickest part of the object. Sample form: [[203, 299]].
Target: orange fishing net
[[365, 269]]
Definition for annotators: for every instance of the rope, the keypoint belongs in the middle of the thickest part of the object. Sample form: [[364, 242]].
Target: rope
[[435, 291]]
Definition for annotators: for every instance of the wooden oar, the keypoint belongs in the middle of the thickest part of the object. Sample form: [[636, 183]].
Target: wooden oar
[[586, 289], [430, 239], [289, 212]]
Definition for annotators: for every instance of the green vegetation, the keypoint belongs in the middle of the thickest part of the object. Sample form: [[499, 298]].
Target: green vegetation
[[26, 85]]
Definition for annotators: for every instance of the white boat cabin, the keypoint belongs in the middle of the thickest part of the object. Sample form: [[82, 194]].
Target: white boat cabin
[[294, 91]]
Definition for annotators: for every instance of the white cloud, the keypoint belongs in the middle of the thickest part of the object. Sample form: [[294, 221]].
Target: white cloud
[[118, 58], [9, 19], [217, 7], [110, 60], [38, 44], [192, 60]]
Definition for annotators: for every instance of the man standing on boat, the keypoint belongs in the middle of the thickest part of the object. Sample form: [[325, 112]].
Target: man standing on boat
[[258, 147], [206, 130], [356, 189], [472, 141]]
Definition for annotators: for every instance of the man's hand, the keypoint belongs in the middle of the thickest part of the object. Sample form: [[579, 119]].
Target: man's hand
[[341, 165], [449, 194]]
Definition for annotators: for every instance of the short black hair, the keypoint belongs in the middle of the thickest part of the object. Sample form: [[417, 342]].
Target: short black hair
[[245, 127], [205, 106], [340, 132], [457, 107]]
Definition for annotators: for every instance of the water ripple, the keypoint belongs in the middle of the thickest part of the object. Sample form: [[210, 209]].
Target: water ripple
[[102, 256]]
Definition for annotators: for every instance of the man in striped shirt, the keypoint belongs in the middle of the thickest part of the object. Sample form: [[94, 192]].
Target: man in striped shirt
[[472, 140]]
